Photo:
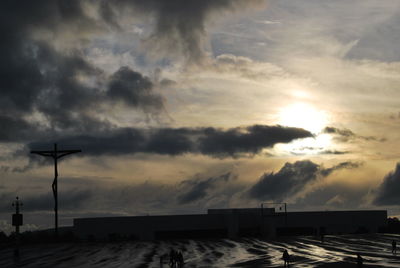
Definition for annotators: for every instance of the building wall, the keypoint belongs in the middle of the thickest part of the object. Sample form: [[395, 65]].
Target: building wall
[[335, 222], [146, 227], [230, 223]]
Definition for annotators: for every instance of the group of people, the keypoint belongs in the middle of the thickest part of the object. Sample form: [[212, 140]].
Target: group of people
[[175, 259]]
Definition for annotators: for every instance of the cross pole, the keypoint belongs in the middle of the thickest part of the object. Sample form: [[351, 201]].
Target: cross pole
[[55, 154]]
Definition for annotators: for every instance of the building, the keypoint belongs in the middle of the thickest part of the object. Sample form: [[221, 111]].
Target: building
[[231, 223]]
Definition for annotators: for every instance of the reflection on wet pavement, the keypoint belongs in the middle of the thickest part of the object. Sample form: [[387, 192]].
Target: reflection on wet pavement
[[336, 251]]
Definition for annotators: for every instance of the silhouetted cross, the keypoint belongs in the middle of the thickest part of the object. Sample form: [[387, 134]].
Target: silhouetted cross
[[55, 154]]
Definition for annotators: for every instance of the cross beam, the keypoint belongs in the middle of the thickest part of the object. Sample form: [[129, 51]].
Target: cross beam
[[55, 154]]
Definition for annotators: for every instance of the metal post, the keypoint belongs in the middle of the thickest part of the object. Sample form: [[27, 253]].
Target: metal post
[[17, 222], [285, 215], [54, 186], [55, 154]]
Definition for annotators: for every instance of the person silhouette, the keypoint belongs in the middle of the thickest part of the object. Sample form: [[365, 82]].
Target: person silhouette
[[172, 258], [394, 246], [163, 259], [359, 261], [180, 259], [286, 258]]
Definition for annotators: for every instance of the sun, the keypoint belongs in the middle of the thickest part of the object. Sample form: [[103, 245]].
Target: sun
[[303, 115]]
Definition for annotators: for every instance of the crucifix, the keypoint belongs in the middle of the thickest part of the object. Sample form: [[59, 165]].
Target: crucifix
[[55, 154]]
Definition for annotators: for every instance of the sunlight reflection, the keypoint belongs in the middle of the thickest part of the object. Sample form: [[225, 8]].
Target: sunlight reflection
[[316, 145]]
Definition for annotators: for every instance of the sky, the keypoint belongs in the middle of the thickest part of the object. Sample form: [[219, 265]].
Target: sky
[[179, 106]]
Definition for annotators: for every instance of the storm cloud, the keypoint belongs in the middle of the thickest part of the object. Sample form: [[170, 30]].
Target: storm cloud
[[54, 85], [291, 179], [250, 140], [48, 86], [214, 142], [198, 188], [16, 129], [134, 89], [388, 191]]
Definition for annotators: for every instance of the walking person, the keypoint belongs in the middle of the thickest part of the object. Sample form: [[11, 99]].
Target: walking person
[[394, 246], [163, 259], [172, 258], [359, 261], [286, 258], [322, 233], [180, 259]]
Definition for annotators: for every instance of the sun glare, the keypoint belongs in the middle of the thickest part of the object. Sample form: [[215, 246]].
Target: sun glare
[[304, 116]]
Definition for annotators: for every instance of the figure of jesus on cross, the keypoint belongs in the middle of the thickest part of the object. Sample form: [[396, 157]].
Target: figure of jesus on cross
[[55, 154]]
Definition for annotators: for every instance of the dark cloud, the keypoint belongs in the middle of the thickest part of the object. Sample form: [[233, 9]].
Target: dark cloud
[[342, 165], [334, 152], [57, 84], [65, 102], [180, 25], [214, 142], [291, 179], [16, 129], [388, 191], [307, 149], [172, 141], [54, 15], [249, 140], [64, 99], [345, 135], [198, 188], [134, 89], [25, 60]]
